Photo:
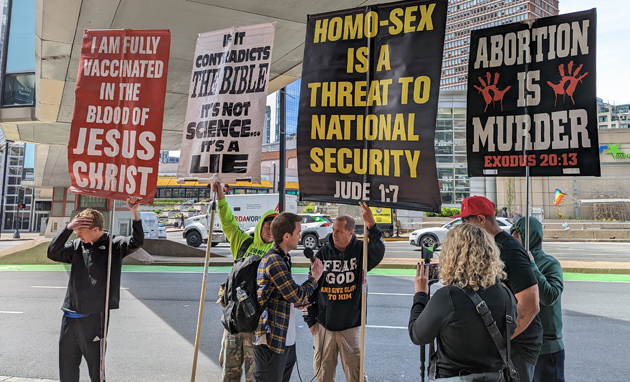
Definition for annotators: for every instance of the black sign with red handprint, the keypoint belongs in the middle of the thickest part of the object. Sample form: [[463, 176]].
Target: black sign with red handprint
[[490, 91], [531, 98], [568, 82]]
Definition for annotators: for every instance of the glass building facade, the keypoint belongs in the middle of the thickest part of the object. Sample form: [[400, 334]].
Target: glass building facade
[[19, 167], [272, 115], [18, 53], [292, 107], [450, 148]]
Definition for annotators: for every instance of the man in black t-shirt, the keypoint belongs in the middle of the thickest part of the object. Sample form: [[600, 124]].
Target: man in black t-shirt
[[521, 280]]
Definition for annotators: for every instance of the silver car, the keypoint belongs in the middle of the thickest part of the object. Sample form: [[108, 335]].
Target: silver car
[[433, 237], [315, 230]]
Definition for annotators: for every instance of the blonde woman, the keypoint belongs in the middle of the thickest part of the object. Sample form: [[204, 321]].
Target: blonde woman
[[469, 259]]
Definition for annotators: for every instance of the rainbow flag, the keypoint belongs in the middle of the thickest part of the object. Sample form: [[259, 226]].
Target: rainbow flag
[[558, 197]]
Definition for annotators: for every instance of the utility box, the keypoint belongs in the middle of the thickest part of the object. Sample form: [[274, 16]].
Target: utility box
[[538, 213]]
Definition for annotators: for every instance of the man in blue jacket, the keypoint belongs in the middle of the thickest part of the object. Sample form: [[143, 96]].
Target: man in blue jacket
[[82, 326]]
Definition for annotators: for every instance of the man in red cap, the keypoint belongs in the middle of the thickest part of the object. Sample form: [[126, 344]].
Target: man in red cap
[[527, 338]]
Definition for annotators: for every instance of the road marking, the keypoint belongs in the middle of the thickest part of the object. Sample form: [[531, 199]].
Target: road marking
[[58, 287], [48, 287], [7, 312], [386, 327]]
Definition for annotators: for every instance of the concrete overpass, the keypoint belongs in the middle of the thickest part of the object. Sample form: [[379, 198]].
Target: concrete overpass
[[59, 31]]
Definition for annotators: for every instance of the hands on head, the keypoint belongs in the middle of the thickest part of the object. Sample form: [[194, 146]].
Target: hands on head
[[366, 215], [421, 282], [79, 222]]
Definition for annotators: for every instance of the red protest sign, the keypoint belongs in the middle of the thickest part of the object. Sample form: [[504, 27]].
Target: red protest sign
[[116, 131]]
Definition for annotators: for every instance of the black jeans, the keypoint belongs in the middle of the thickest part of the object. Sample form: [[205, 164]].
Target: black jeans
[[291, 358], [270, 366], [80, 337], [550, 367]]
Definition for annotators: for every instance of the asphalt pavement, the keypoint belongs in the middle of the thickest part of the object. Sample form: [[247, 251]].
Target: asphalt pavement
[[152, 335], [589, 264]]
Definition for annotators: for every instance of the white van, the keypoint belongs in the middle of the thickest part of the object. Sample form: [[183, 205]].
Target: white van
[[247, 210], [149, 224]]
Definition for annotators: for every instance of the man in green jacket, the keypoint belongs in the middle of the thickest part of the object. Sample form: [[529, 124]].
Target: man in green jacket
[[237, 349], [550, 365]]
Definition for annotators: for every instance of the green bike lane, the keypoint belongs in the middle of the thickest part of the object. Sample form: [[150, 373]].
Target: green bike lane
[[568, 276]]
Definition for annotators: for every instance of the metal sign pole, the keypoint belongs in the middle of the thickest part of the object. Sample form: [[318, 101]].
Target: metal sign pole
[[202, 299], [368, 76], [527, 186], [109, 278]]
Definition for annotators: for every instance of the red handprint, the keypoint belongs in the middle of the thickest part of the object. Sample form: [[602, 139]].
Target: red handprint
[[490, 91], [571, 78]]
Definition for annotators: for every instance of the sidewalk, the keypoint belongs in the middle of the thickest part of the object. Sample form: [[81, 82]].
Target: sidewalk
[[24, 236], [18, 379]]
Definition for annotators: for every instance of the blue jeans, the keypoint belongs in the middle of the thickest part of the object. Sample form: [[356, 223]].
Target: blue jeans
[[550, 367]]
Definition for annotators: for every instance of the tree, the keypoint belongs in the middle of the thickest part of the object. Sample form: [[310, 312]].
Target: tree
[[510, 194]]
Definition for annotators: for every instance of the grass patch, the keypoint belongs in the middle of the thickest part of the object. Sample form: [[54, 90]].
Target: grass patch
[[36, 255]]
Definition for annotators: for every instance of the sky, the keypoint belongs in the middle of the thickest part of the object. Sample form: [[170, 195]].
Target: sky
[[613, 49]]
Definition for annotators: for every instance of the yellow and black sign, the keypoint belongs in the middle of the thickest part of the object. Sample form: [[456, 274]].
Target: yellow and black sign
[[366, 126], [382, 215]]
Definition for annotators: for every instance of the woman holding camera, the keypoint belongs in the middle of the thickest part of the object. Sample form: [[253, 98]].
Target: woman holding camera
[[469, 259]]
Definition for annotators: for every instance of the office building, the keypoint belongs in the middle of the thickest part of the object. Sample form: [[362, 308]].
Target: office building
[[272, 115], [19, 211], [611, 116], [467, 15], [267, 125]]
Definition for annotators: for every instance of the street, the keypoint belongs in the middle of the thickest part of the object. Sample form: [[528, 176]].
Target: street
[[563, 251], [152, 335]]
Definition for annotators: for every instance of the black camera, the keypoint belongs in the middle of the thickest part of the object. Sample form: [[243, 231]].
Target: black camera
[[427, 253]]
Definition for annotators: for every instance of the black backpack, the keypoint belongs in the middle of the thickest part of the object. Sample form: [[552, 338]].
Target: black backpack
[[241, 315]]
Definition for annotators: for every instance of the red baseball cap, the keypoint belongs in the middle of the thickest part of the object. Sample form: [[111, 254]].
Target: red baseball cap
[[476, 205]]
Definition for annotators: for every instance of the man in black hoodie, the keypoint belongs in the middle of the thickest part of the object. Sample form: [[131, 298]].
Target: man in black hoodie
[[82, 326], [334, 318]]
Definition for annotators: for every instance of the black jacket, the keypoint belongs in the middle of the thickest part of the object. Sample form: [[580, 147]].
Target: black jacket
[[88, 274], [337, 300], [463, 342]]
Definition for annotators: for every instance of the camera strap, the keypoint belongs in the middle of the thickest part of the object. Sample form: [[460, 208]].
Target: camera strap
[[491, 326]]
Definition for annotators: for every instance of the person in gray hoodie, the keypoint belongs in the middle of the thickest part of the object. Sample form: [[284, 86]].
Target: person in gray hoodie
[[550, 365]]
